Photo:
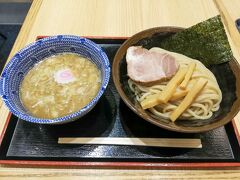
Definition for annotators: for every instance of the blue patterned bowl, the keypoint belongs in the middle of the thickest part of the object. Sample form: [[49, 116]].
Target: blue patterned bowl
[[26, 58]]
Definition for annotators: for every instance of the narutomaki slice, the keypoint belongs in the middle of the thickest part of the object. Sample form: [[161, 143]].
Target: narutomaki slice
[[146, 66]]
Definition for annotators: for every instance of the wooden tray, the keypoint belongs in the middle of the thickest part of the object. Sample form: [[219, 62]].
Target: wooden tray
[[24, 143]]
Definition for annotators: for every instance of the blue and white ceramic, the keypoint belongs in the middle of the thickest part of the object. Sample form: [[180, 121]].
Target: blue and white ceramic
[[26, 58]]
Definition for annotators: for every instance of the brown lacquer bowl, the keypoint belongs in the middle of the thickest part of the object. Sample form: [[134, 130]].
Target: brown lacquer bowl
[[227, 75]]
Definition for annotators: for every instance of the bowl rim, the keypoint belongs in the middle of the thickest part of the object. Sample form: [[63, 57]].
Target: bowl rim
[[235, 67], [69, 117]]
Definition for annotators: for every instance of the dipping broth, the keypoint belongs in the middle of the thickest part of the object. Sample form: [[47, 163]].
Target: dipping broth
[[60, 85]]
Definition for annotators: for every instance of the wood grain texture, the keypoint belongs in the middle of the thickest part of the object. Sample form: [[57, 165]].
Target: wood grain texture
[[60, 174], [116, 18]]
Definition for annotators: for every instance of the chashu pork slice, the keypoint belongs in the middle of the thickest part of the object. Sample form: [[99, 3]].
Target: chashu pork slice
[[147, 67]]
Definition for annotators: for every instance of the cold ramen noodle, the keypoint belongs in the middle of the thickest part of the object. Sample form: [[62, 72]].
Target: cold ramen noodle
[[171, 85], [60, 85]]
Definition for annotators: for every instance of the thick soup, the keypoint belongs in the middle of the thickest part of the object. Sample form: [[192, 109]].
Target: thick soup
[[60, 85]]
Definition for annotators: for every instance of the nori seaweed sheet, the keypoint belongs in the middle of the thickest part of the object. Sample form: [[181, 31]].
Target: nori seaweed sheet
[[205, 41]]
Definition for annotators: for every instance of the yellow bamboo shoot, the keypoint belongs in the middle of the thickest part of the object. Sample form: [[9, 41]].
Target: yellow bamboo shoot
[[189, 98], [191, 68], [178, 95], [172, 85], [152, 100]]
